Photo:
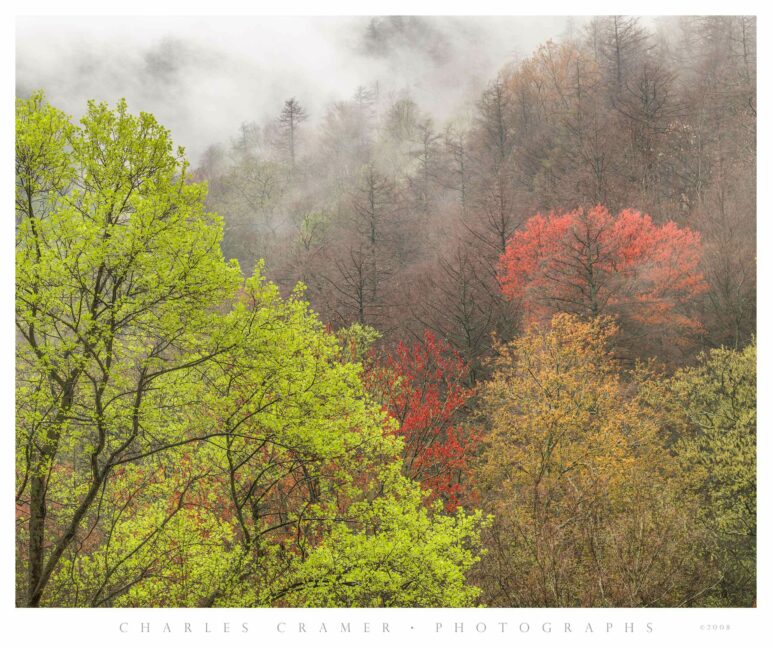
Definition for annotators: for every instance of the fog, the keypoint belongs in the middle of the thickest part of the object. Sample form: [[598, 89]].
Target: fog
[[203, 77]]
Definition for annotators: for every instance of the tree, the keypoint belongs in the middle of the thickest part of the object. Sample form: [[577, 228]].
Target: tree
[[363, 254], [561, 127], [184, 437], [494, 217], [592, 263], [426, 154], [413, 558], [456, 177], [720, 168], [346, 141], [251, 193], [586, 512], [456, 300], [423, 387], [117, 267], [661, 117], [618, 43], [292, 115], [710, 412]]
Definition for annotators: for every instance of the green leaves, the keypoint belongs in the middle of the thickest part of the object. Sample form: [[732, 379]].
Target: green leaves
[[185, 437], [404, 555], [43, 166], [713, 417]]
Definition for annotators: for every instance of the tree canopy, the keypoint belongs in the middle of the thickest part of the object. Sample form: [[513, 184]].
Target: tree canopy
[[592, 263], [185, 437]]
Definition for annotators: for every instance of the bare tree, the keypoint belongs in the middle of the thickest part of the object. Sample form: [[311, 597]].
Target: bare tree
[[292, 115]]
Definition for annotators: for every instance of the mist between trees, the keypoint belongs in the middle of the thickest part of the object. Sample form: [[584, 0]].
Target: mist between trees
[[374, 359]]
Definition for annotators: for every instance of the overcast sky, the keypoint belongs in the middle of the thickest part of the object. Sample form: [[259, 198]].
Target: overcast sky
[[203, 77]]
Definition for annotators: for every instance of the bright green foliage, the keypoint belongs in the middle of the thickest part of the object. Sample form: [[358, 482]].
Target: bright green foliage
[[409, 558], [118, 267], [712, 410], [357, 340], [185, 438]]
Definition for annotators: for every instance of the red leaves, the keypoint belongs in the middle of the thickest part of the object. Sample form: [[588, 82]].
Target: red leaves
[[423, 388], [593, 263]]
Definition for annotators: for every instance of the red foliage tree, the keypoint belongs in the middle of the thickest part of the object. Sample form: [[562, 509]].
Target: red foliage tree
[[593, 263], [424, 387]]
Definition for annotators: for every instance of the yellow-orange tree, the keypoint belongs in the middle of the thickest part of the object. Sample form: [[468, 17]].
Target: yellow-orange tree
[[578, 481]]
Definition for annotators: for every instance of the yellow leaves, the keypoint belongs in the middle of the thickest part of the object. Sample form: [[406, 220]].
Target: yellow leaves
[[571, 459], [554, 401]]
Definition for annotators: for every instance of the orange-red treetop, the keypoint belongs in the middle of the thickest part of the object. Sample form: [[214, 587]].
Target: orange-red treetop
[[593, 263]]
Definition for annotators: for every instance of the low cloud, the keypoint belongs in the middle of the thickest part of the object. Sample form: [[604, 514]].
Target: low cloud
[[203, 77]]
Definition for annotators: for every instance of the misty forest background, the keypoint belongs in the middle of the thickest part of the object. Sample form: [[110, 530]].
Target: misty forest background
[[502, 357]]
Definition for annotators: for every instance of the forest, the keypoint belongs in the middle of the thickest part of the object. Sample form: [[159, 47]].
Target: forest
[[380, 358]]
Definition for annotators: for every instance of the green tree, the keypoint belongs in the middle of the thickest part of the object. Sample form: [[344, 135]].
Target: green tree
[[117, 268], [183, 437], [711, 412]]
